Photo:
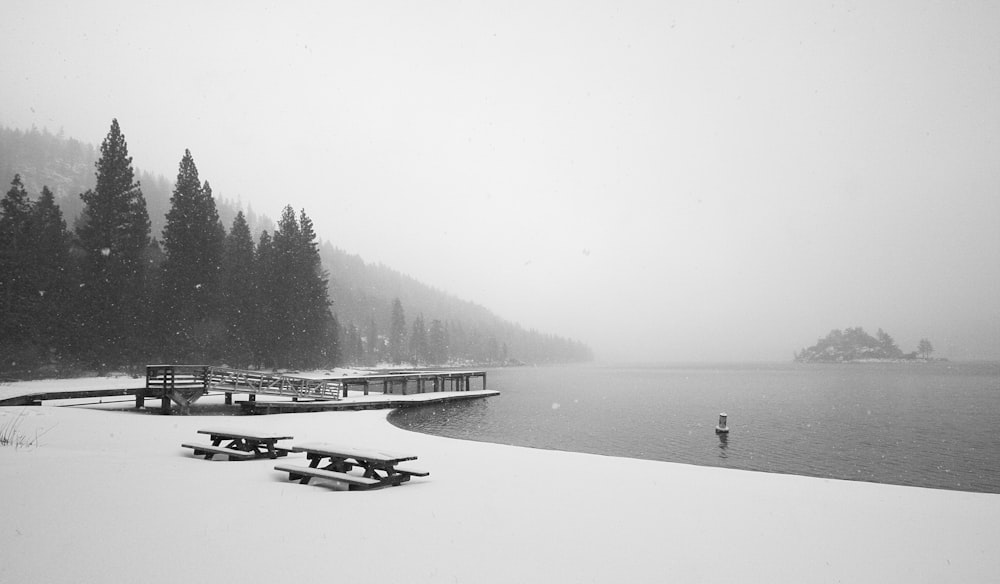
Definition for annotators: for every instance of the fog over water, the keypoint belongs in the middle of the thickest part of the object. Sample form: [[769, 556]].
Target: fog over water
[[663, 181]]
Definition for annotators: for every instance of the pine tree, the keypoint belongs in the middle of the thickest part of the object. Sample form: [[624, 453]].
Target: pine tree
[[354, 347], [318, 330], [300, 309], [52, 275], [419, 349], [438, 343], [887, 346], [925, 348], [239, 294], [373, 347], [333, 346], [113, 233], [265, 293], [16, 279], [397, 333], [193, 241]]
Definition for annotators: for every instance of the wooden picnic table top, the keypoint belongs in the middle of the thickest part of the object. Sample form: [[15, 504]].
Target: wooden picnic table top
[[235, 434], [337, 451]]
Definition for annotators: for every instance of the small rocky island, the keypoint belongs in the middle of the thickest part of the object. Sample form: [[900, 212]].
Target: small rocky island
[[854, 345]]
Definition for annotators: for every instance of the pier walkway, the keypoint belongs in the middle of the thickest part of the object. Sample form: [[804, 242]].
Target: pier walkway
[[293, 392], [185, 384]]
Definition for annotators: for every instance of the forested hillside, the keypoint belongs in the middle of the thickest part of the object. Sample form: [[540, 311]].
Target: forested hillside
[[370, 313], [363, 295]]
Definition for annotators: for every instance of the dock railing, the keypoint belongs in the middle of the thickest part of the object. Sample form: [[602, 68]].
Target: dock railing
[[254, 382]]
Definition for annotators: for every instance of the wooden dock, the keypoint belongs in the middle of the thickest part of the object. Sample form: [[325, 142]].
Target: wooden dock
[[184, 385]]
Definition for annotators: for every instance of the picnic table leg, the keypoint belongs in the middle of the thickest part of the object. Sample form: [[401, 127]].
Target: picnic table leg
[[259, 446]]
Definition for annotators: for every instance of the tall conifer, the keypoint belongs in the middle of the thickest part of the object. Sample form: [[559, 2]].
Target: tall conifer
[[52, 275], [113, 233], [16, 286], [265, 292], [419, 350], [239, 295], [193, 242], [300, 308], [373, 346], [397, 333], [438, 343]]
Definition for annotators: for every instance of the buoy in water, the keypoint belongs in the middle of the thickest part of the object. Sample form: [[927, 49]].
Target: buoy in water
[[722, 428]]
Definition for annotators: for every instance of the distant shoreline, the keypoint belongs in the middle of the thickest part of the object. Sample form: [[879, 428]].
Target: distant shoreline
[[862, 361]]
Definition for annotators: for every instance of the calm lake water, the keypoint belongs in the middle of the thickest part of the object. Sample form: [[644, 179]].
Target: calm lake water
[[920, 424]]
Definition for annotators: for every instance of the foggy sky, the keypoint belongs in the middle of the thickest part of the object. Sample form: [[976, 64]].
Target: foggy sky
[[665, 181]]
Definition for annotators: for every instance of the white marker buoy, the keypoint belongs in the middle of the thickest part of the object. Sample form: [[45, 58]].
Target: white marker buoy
[[722, 428]]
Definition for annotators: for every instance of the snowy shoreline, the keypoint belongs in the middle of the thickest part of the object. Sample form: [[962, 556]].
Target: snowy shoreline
[[111, 496]]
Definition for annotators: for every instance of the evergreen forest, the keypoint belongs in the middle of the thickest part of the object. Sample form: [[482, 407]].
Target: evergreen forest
[[151, 272]]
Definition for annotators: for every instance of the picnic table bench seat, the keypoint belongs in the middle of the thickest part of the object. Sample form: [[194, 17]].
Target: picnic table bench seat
[[208, 451], [304, 473], [413, 472]]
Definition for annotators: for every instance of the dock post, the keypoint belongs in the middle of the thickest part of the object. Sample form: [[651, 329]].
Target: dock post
[[168, 382], [229, 398]]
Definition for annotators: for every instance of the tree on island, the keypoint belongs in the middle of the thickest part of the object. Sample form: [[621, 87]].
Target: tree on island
[[887, 345], [924, 348]]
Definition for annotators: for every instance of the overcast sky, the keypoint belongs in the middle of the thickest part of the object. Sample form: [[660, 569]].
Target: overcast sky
[[668, 181]]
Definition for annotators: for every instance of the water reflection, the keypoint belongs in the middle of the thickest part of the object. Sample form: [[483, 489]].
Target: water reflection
[[723, 444]]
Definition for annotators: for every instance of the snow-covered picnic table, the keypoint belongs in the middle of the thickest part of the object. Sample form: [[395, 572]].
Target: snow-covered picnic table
[[380, 469], [242, 445]]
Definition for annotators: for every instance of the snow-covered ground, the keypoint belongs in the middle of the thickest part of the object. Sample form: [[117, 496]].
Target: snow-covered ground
[[110, 496]]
